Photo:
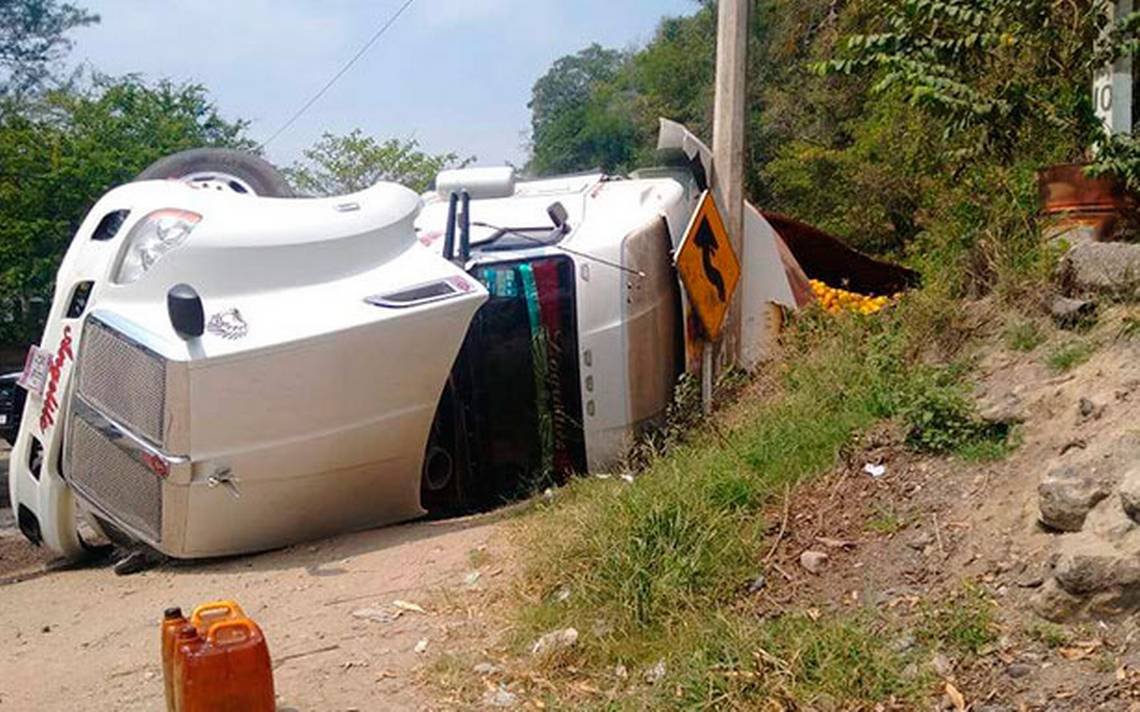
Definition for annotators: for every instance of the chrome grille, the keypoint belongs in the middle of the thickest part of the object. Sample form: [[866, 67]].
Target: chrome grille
[[113, 480], [123, 380]]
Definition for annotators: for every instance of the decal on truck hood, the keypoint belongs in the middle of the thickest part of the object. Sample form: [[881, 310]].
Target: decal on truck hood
[[228, 325], [51, 404]]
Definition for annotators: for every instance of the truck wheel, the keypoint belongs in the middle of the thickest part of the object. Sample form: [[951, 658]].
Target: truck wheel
[[222, 169], [443, 481]]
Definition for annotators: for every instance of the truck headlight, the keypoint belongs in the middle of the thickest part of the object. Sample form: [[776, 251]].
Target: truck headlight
[[151, 239]]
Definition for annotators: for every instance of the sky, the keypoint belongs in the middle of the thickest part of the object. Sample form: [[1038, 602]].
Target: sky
[[453, 74]]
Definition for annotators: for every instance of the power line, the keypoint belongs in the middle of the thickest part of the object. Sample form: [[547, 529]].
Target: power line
[[329, 84]]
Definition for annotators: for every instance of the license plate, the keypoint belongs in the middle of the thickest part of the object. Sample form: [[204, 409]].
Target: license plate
[[35, 373]]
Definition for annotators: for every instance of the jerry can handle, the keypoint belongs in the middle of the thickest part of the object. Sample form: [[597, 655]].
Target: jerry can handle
[[215, 608], [247, 628]]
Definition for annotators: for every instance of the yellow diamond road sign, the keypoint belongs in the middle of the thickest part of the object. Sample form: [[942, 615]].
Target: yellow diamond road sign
[[708, 267]]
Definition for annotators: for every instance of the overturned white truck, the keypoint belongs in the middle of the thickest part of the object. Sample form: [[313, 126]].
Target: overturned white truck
[[228, 369]]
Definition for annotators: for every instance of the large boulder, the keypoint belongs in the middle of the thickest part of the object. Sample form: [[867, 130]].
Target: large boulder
[[1130, 494], [1102, 267], [1066, 496], [1055, 603], [1088, 565]]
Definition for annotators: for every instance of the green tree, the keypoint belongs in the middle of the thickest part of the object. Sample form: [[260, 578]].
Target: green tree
[[579, 117], [991, 71], [33, 37], [61, 150], [335, 165]]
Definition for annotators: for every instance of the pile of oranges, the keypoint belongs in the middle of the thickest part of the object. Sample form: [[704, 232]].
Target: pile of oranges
[[835, 300]]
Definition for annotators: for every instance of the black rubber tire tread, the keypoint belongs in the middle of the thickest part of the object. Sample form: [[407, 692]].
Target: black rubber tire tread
[[446, 433], [259, 174]]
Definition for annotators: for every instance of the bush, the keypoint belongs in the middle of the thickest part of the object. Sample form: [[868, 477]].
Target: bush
[[1068, 356], [941, 418]]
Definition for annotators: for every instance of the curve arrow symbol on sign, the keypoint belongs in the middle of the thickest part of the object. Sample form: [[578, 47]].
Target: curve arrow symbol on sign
[[706, 240]]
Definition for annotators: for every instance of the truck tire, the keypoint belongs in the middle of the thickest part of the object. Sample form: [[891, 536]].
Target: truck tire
[[443, 482], [239, 171]]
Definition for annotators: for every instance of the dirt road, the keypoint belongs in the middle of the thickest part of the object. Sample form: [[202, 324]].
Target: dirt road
[[86, 638]]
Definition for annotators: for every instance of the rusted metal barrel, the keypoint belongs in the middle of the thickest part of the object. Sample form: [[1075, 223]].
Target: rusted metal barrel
[[1093, 205]]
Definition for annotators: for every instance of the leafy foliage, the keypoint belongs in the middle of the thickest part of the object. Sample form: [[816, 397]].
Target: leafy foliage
[[61, 150], [941, 418], [33, 36], [1118, 155], [988, 68], [574, 114], [344, 164]]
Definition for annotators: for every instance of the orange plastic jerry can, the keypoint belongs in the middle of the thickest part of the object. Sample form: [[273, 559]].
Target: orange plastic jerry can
[[172, 622], [227, 670]]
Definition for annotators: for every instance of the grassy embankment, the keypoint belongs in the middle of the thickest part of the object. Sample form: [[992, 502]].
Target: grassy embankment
[[935, 172], [658, 570]]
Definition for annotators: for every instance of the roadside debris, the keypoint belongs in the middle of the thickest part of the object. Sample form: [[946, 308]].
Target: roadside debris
[[389, 613], [956, 698], [875, 471], [656, 673], [500, 697], [942, 665], [555, 642], [813, 561], [409, 607], [831, 543], [421, 647]]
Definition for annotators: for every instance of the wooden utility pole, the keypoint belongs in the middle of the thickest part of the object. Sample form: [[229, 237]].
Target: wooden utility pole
[[729, 119]]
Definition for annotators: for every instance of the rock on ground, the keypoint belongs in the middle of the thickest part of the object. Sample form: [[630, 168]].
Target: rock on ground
[[1066, 496], [554, 642], [1130, 494], [813, 561], [1088, 564], [1102, 267], [1068, 313]]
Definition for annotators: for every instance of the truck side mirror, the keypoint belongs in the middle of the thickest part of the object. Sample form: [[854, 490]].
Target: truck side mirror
[[186, 313], [559, 215]]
